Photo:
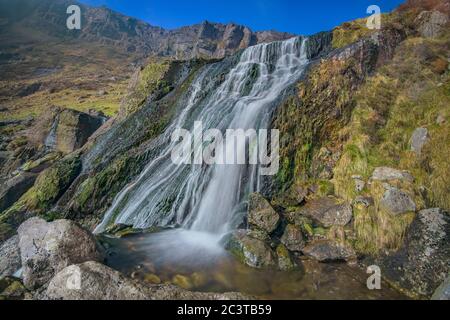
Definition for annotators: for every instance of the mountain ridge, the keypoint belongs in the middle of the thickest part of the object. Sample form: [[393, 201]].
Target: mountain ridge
[[106, 26]]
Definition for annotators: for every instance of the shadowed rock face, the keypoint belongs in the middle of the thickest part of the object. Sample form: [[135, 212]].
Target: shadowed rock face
[[208, 40], [422, 264]]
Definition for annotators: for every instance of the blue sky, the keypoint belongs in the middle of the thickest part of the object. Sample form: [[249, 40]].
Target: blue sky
[[295, 16]]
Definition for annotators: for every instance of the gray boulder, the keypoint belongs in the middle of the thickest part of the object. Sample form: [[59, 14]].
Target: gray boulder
[[293, 238], [10, 260], [261, 214], [443, 291], [387, 174], [397, 201], [328, 251], [419, 139], [422, 263], [94, 281], [252, 252], [328, 212], [430, 24], [47, 248]]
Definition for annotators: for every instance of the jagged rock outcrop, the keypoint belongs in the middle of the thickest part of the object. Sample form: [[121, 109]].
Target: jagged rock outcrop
[[107, 27], [431, 23], [47, 248]]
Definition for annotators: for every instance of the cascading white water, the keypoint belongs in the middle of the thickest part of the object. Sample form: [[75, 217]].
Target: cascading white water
[[204, 198]]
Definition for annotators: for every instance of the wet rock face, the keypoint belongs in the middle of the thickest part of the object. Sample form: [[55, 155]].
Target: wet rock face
[[431, 23], [94, 281], [47, 248], [328, 212], [397, 201], [328, 250], [261, 214], [10, 260], [422, 263], [252, 252]]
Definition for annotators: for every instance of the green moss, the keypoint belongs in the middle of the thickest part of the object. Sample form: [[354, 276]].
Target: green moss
[[350, 32], [151, 80], [284, 258], [406, 94], [52, 183], [48, 188], [326, 188]]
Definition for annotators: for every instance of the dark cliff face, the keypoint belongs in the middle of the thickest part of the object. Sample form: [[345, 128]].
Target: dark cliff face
[[47, 19]]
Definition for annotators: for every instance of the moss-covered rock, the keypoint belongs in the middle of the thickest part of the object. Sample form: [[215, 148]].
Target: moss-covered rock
[[252, 252], [285, 261], [47, 189]]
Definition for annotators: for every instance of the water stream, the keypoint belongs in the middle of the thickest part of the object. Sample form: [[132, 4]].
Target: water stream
[[198, 204], [212, 198]]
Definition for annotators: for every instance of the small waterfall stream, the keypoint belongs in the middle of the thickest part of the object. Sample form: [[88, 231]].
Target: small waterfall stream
[[203, 198]]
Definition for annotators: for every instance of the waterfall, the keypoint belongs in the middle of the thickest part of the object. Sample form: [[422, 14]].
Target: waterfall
[[203, 198]]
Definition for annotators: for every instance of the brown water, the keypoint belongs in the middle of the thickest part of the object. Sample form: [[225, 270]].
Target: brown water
[[155, 258]]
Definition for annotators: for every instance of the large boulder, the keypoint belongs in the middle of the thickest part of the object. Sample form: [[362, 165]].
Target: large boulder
[[387, 174], [431, 23], [74, 129], [261, 214], [397, 201], [10, 260], [293, 238], [94, 281], [328, 212], [47, 248], [329, 250], [422, 263], [419, 139], [64, 130], [250, 251], [14, 188]]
